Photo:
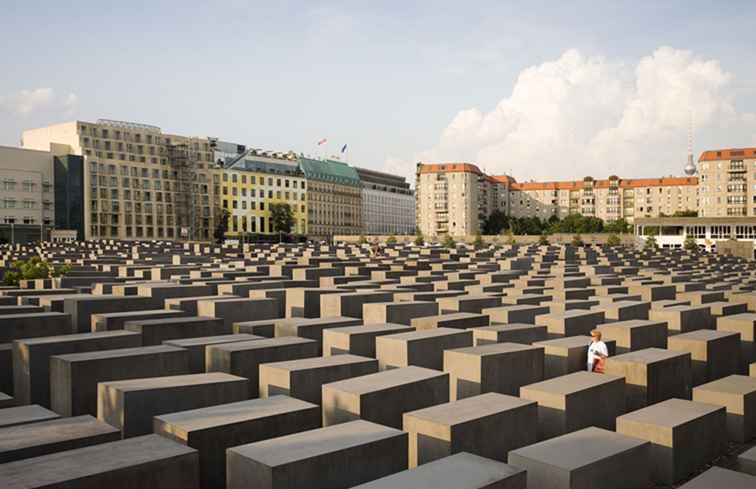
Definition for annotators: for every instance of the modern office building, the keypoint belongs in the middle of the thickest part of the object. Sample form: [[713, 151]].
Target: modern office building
[[334, 198], [388, 203], [139, 183], [728, 182], [253, 180], [455, 198], [27, 193]]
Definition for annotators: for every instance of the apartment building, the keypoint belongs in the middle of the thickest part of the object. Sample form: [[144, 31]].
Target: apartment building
[[139, 183], [256, 180], [610, 199], [334, 198], [27, 209], [455, 198], [728, 182], [388, 203]]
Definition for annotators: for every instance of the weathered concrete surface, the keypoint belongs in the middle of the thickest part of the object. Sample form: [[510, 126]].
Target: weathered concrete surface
[[197, 346], [363, 451], [498, 367], [489, 425], [156, 331], [421, 348], [147, 461], [737, 393], [19, 415], [579, 459], [384, 397], [358, 340], [509, 333], [714, 354], [684, 436], [459, 471], [31, 358], [74, 377], [130, 405], [56, 435], [213, 430]]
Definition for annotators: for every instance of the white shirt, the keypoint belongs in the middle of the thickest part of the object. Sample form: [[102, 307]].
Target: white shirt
[[594, 348]]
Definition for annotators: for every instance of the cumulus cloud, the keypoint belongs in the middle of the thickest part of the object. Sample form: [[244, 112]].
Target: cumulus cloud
[[27, 102], [587, 115]]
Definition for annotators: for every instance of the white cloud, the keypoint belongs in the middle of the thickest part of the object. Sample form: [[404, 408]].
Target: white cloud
[[580, 115], [27, 102]]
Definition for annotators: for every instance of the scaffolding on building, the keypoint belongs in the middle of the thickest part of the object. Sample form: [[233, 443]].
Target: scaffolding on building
[[185, 204]]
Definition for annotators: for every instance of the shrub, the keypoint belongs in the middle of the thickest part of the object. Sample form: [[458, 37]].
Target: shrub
[[449, 242], [478, 242], [543, 240], [650, 244], [510, 237], [419, 239], [613, 240], [363, 240], [391, 240], [690, 243], [577, 240]]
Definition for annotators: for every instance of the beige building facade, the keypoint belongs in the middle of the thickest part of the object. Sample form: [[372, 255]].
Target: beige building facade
[[455, 198], [139, 182], [728, 182]]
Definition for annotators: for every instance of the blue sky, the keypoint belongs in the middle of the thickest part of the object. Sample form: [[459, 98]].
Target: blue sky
[[498, 83]]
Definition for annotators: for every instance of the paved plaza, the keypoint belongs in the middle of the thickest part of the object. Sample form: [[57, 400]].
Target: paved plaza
[[300, 366]]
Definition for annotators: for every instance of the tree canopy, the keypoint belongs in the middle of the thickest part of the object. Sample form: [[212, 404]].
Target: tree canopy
[[281, 217]]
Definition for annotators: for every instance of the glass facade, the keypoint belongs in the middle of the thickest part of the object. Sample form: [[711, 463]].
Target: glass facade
[[69, 193]]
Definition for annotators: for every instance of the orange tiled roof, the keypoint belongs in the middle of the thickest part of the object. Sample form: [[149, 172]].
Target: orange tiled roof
[[578, 184], [449, 167], [727, 154], [502, 179]]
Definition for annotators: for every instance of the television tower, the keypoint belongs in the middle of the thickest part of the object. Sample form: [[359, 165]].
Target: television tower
[[690, 168]]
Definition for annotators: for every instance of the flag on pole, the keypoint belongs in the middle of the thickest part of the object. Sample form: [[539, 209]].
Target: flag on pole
[[322, 141], [343, 148]]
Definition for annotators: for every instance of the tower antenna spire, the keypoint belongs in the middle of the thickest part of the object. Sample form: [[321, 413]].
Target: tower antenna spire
[[690, 167]]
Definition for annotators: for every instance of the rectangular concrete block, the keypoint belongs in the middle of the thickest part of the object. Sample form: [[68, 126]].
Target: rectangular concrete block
[[576, 401], [635, 334], [460, 471], [364, 451], [32, 359], [489, 425], [564, 356], [509, 333], [499, 367], [685, 436], [116, 320], [745, 324], [398, 312], [81, 309], [130, 405], [682, 319], [33, 325], [385, 396], [457, 320], [522, 314], [714, 354], [625, 310], [652, 375], [74, 377], [33, 413], [243, 358], [213, 430], [56, 435], [358, 340], [232, 311], [156, 331], [197, 346], [304, 302], [146, 461], [421, 348], [468, 303], [303, 378], [265, 328], [719, 477], [580, 459], [570, 323], [737, 393], [350, 304], [312, 328]]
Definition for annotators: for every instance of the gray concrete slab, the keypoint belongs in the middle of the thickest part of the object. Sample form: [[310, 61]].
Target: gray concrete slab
[[737, 393], [197, 346], [421, 348], [358, 340], [19, 415]]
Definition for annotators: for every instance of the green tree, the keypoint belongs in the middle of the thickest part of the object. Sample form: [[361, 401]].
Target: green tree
[[690, 243], [510, 237], [495, 222], [391, 240], [543, 240], [449, 242], [281, 217], [221, 228], [577, 240], [419, 239], [32, 269], [613, 240], [650, 244], [620, 226], [363, 240], [478, 242]]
